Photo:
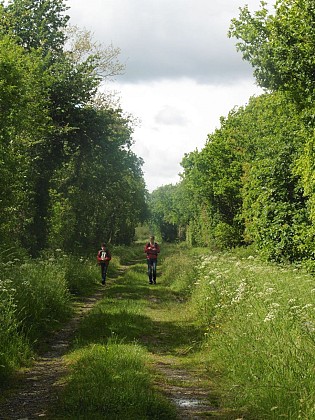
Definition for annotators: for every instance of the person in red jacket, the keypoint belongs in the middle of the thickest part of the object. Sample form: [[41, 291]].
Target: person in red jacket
[[152, 250], [103, 258]]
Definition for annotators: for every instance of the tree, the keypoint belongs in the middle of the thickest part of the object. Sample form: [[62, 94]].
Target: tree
[[280, 48], [76, 130], [23, 120], [37, 24], [99, 192], [162, 207]]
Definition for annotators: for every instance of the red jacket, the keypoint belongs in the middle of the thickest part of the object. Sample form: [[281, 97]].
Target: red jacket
[[152, 250], [103, 256]]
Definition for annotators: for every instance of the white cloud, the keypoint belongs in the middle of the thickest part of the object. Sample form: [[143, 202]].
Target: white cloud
[[163, 145], [170, 115]]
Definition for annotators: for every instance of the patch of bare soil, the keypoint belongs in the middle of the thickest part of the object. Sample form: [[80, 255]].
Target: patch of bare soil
[[36, 388], [191, 398]]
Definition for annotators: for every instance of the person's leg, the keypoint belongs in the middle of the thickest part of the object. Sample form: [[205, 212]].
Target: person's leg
[[104, 271], [154, 263], [150, 270]]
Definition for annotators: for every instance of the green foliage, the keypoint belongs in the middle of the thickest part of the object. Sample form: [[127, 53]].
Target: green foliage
[[88, 179], [280, 46], [42, 298], [80, 274], [273, 203], [244, 186], [37, 25], [35, 298], [163, 208], [179, 272], [14, 347], [67, 173], [22, 120]]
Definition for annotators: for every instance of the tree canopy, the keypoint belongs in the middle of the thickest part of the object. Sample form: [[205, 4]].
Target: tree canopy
[[68, 174]]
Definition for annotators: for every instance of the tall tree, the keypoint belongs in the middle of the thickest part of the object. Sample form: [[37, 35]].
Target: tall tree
[[78, 131], [38, 24], [280, 48], [24, 119]]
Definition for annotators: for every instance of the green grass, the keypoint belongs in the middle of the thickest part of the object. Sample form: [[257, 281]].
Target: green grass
[[36, 297], [110, 364], [112, 381], [246, 327], [259, 322]]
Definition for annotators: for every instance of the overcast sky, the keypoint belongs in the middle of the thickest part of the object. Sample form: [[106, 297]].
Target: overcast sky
[[182, 71]]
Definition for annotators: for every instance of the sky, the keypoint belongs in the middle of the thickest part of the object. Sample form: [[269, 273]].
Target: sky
[[182, 72]]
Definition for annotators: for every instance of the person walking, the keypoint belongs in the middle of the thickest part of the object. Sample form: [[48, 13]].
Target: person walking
[[152, 249], [103, 258]]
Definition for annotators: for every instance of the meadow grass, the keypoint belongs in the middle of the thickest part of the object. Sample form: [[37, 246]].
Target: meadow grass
[[259, 325], [112, 381]]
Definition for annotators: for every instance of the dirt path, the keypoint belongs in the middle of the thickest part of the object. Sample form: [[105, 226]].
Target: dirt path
[[191, 398], [36, 388]]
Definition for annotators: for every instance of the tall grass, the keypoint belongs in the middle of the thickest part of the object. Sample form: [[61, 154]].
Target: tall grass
[[259, 323], [35, 298], [179, 268], [14, 348]]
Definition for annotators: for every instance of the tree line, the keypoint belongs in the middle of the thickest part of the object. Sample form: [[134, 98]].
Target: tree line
[[68, 176], [253, 182]]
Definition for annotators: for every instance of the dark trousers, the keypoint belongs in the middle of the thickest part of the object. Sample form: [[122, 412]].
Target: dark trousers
[[152, 262], [103, 271]]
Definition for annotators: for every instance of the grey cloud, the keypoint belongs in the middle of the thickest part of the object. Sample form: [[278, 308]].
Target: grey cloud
[[163, 39]]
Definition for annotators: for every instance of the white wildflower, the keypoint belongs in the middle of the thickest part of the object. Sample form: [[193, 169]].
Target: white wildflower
[[270, 316], [274, 305], [309, 326], [239, 292]]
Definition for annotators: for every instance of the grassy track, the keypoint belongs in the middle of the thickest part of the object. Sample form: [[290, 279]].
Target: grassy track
[[121, 346]]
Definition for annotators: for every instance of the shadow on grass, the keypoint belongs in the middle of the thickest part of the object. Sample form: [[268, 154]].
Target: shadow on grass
[[157, 336]]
